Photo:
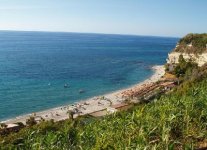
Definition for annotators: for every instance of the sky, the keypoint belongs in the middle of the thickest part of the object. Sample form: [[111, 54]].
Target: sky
[[173, 18]]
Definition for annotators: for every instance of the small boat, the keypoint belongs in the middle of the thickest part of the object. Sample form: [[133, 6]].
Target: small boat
[[81, 91], [66, 86]]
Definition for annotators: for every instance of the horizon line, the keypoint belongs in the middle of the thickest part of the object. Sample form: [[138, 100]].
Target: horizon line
[[76, 32]]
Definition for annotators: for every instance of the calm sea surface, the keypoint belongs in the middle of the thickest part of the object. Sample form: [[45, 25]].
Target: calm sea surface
[[35, 66]]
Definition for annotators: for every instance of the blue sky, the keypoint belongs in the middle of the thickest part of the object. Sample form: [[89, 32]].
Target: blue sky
[[139, 17]]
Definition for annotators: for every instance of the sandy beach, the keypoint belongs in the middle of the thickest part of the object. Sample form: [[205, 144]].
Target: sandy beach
[[92, 104]]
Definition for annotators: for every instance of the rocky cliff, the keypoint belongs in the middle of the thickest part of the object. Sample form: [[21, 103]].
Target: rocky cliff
[[193, 47]]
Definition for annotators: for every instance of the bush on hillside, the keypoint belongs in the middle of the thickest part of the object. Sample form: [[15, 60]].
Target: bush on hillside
[[198, 41], [184, 68]]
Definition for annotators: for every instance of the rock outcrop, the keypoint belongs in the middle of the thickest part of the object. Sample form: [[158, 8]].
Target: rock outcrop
[[192, 47], [200, 59]]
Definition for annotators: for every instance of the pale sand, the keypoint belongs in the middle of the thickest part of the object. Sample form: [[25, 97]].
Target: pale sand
[[93, 104]]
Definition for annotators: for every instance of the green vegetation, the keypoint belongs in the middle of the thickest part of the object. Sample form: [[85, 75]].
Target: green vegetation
[[177, 120], [187, 70], [198, 42], [31, 121], [184, 68]]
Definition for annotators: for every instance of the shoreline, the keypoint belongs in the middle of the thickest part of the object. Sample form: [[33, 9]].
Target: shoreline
[[93, 104]]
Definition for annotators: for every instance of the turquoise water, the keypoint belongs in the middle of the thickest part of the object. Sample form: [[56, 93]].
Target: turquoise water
[[35, 66]]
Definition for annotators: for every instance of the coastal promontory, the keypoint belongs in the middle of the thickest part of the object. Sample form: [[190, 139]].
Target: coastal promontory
[[192, 47]]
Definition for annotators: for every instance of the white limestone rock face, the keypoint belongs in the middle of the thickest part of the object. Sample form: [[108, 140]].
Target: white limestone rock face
[[200, 59]]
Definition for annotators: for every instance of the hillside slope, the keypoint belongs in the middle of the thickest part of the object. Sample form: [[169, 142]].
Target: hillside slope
[[192, 43]]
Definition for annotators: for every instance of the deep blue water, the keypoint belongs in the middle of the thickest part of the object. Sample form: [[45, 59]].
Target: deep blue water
[[34, 66]]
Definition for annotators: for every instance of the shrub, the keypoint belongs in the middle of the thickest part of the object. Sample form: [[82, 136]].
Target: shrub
[[184, 68], [31, 121], [198, 42]]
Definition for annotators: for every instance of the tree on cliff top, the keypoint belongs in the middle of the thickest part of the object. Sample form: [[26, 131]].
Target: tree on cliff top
[[184, 67]]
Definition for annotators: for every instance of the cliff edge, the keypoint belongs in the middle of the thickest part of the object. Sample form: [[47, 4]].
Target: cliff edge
[[192, 47]]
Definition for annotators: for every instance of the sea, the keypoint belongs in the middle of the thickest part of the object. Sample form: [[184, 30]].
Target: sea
[[42, 70]]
